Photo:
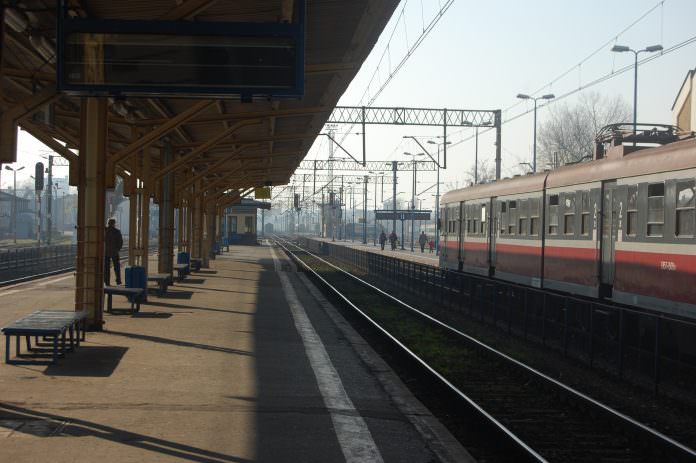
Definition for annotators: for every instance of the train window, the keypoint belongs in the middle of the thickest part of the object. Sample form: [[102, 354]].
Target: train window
[[632, 211], [513, 204], [553, 200], [685, 209], [656, 209], [585, 214], [503, 206]]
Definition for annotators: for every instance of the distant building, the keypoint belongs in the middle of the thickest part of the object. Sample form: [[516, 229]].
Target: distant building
[[684, 107]]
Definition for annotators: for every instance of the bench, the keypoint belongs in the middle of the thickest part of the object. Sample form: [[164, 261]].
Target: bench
[[182, 270], [134, 295], [163, 280], [53, 324], [196, 263]]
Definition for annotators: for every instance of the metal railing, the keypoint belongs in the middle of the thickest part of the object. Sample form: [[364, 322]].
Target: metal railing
[[645, 346], [23, 262]]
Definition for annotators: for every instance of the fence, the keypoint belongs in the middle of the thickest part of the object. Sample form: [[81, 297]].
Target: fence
[[23, 262]]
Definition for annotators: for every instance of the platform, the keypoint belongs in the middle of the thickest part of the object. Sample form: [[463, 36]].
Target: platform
[[426, 257], [221, 369]]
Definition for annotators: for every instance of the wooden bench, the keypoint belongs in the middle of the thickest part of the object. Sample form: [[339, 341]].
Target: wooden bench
[[196, 263], [134, 295], [182, 270], [163, 280], [49, 324]]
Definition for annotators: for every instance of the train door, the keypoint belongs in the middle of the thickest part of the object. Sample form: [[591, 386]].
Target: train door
[[492, 214], [610, 228], [460, 230]]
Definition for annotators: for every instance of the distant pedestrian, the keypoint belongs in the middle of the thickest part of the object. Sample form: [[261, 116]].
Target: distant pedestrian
[[393, 239], [422, 239], [431, 245], [382, 239], [113, 242]]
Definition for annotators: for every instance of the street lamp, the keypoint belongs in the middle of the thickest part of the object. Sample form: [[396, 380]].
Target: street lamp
[[522, 96], [413, 198], [14, 202], [622, 49], [376, 174], [437, 192]]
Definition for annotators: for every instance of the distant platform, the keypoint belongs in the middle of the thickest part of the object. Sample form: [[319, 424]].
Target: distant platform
[[426, 257]]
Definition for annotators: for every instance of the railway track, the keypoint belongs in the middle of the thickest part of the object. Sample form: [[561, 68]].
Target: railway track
[[527, 415]]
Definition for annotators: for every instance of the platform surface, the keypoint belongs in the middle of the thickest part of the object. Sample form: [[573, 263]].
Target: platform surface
[[215, 371]]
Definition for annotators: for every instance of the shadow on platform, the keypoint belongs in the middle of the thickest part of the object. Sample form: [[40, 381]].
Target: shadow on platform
[[207, 272], [40, 424], [177, 295], [95, 361], [175, 342]]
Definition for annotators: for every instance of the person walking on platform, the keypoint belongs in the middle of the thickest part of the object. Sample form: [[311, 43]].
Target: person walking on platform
[[382, 239], [392, 240], [422, 239], [113, 242]]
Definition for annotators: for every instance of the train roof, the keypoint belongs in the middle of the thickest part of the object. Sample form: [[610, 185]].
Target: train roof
[[671, 157]]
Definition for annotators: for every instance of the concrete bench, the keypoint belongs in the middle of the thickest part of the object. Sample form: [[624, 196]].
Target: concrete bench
[[196, 263], [55, 325], [134, 295], [181, 270], [163, 281]]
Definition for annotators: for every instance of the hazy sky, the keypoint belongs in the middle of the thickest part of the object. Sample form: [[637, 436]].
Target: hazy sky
[[481, 54]]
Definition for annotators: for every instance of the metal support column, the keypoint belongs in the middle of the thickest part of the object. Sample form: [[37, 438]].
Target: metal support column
[[166, 214], [89, 293], [196, 241]]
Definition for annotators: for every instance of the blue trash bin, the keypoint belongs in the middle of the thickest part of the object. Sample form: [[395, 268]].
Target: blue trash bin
[[136, 278], [184, 258]]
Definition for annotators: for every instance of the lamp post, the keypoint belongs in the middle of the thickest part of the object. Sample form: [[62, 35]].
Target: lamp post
[[522, 96], [413, 197], [622, 49], [437, 190], [14, 202]]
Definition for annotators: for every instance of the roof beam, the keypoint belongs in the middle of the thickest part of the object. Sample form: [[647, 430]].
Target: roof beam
[[245, 115], [188, 9], [48, 140], [160, 131]]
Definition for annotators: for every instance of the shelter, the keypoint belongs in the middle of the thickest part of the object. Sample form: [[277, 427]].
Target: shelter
[[69, 69], [241, 220]]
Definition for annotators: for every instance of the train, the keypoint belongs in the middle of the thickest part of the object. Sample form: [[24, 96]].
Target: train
[[621, 226]]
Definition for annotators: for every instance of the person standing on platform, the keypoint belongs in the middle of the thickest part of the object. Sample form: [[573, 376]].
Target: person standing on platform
[[392, 240], [113, 242], [431, 245], [382, 239], [422, 239]]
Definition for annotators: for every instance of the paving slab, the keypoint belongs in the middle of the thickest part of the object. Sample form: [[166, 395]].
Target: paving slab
[[215, 371]]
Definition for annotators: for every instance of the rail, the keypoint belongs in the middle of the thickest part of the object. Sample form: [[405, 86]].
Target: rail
[[615, 338], [664, 442]]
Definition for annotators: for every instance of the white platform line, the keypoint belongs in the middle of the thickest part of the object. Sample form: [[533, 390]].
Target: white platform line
[[352, 432]]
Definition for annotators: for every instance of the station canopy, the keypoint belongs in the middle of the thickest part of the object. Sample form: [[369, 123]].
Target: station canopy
[[239, 102]]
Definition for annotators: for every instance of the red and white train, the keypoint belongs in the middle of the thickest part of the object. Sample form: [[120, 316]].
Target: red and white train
[[621, 227]]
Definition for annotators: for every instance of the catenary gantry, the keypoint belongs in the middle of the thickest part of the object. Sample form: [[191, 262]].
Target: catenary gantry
[[194, 155]]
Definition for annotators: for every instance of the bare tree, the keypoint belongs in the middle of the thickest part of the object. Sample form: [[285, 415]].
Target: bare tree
[[486, 172], [568, 135]]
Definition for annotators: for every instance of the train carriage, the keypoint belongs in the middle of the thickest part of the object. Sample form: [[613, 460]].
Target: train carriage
[[622, 226]]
